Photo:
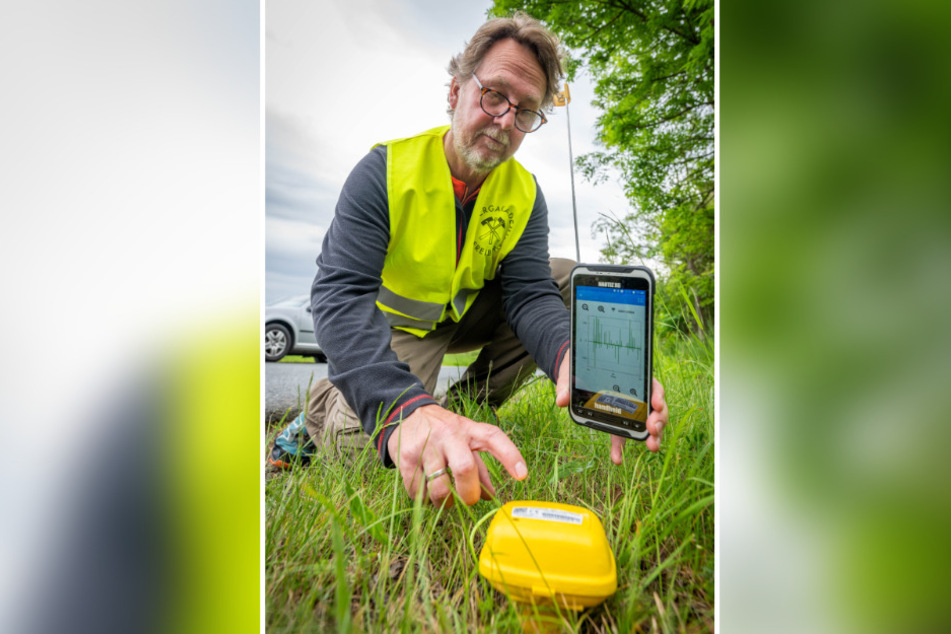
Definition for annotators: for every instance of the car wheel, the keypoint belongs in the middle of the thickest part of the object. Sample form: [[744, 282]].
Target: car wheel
[[277, 342]]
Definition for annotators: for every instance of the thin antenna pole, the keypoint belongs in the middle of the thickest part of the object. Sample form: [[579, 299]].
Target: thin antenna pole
[[574, 206]]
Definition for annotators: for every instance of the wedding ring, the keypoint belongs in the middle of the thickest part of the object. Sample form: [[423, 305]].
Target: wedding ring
[[436, 474]]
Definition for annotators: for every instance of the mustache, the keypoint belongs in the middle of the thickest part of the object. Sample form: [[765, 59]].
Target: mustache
[[497, 135]]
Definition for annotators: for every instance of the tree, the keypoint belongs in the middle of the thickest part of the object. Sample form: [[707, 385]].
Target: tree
[[652, 64]]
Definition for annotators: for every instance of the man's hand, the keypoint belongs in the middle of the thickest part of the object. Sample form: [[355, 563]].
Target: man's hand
[[433, 438], [655, 422]]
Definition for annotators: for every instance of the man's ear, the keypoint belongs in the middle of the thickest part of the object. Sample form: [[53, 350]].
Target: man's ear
[[454, 89]]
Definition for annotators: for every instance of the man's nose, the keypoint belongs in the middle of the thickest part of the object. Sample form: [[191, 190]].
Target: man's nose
[[506, 121]]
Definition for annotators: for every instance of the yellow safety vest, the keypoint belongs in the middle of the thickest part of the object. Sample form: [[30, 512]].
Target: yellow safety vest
[[422, 284]]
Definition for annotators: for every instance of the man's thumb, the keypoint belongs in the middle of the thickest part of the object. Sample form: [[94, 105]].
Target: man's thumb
[[561, 397]]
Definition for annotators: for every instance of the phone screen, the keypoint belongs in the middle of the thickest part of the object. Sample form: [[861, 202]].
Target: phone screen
[[610, 353]]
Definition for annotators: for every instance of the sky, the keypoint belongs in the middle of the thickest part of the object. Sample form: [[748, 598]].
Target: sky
[[343, 76]]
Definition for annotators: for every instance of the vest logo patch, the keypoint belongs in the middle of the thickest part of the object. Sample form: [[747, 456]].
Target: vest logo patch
[[495, 221]]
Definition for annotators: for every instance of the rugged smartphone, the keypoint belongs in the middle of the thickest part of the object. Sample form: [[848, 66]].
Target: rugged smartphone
[[612, 327]]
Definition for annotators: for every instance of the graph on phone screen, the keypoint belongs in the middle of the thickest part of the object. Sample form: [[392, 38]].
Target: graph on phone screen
[[609, 340]]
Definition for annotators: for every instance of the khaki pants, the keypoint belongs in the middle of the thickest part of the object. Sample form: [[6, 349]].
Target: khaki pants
[[501, 367]]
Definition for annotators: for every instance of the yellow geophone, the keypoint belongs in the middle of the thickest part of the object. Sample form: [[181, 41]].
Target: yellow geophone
[[549, 554]]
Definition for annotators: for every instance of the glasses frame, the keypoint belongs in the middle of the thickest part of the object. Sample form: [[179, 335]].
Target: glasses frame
[[518, 109]]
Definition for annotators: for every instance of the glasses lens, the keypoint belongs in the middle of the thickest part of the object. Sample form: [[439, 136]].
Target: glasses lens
[[494, 103], [528, 120]]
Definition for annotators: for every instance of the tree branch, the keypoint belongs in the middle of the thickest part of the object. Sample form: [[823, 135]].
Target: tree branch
[[683, 36]]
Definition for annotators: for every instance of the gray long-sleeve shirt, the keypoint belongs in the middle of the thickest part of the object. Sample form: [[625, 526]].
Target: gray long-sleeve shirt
[[355, 335]]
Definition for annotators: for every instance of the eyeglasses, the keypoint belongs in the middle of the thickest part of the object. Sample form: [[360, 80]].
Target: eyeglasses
[[495, 104]]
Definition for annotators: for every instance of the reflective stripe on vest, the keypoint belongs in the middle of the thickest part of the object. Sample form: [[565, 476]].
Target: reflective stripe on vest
[[422, 284]]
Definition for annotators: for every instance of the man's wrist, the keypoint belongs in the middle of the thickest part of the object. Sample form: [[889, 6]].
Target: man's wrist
[[393, 421]]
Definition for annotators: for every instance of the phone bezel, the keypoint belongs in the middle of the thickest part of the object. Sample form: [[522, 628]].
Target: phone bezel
[[605, 421]]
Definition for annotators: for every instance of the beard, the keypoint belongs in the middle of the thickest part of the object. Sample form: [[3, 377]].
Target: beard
[[478, 160]]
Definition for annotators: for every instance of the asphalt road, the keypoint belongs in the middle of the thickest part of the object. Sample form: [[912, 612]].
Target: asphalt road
[[285, 386]]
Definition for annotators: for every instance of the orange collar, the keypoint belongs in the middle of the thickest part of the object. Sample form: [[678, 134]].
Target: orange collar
[[461, 192]]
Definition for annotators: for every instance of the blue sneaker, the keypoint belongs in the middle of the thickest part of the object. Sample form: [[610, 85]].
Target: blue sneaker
[[292, 445]]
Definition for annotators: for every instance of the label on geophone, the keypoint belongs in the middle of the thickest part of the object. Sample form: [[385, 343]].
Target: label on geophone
[[547, 514]]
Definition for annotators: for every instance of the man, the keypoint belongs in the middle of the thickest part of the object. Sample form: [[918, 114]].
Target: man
[[440, 243]]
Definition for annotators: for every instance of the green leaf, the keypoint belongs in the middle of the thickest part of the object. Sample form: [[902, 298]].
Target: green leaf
[[363, 516]]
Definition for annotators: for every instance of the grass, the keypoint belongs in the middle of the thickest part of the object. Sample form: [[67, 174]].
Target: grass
[[462, 359], [296, 358], [347, 550]]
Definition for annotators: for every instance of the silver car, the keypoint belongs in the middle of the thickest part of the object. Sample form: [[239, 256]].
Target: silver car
[[289, 329]]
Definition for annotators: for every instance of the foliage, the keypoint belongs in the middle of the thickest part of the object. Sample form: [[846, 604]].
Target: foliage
[[653, 68]]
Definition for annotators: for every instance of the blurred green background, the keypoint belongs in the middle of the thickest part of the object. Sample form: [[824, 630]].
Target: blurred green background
[[835, 303]]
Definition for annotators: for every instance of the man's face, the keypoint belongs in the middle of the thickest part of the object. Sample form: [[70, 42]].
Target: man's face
[[484, 142]]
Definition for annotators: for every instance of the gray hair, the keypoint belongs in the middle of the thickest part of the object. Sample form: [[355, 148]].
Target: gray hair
[[525, 30]]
